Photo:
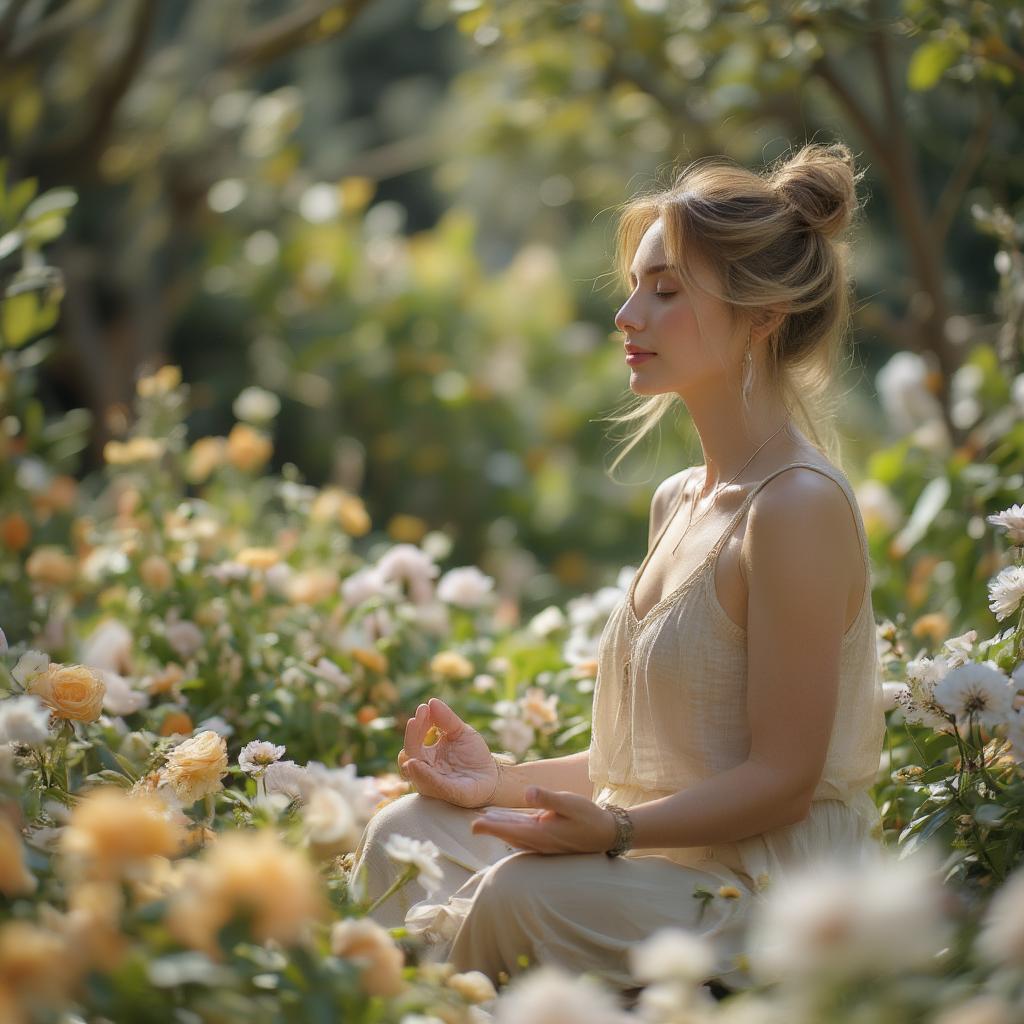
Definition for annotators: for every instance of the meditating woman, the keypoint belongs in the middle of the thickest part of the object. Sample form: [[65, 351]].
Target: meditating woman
[[738, 709]]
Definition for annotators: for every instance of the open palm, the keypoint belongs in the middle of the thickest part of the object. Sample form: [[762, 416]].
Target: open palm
[[457, 768]]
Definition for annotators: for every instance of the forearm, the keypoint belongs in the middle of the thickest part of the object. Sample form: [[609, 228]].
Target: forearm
[[732, 805], [559, 773]]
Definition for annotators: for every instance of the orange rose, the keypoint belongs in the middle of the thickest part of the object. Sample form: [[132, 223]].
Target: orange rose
[[71, 691]]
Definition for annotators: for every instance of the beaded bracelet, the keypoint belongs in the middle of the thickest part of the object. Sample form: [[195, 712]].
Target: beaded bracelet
[[623, 830]]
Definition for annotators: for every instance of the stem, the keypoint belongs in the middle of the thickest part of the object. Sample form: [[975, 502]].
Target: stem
[[406, 876]]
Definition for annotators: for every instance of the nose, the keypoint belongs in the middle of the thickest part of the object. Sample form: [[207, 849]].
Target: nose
[[627, 317]]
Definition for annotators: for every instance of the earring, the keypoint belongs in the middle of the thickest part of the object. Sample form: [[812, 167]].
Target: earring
[[748, 372]]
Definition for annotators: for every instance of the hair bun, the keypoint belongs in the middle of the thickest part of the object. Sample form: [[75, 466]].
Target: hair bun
[[819, 183]]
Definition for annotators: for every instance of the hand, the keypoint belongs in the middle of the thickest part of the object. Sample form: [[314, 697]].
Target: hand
[[458, 768], [564, 823]]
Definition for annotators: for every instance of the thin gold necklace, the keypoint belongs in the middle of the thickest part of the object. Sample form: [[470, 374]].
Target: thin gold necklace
[[721, 487]]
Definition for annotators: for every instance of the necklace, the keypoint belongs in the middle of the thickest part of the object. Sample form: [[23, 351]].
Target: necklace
[[721, 487]]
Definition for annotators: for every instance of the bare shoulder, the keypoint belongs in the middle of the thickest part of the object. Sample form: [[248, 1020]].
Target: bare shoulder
[[801, 512]]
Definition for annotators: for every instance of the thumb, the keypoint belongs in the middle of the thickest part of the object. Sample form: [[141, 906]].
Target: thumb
[[553, 800], [426, 780]]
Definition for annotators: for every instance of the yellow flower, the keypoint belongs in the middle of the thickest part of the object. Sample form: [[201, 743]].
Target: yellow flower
[[473, 986], [248, 449], [451, 665], [380, 960], [93, 923], [112, 832], [406, 528], [51, 564], [15, 877], [313, 586], [71, 691], [204, 457], [138, 449], [258, 558], [37, 964], [165, 380], [251, 873], [370, 658], [934, 626], [729, 892], [156, 573], [334, 504], [194, 768]]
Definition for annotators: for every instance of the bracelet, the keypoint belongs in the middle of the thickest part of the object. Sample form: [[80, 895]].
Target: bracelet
[[497, 783], [623, 830]]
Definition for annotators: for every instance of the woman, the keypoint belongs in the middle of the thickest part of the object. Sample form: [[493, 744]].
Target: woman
[[738, 711]]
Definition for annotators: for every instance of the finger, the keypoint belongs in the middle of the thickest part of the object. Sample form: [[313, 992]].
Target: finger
[[415, 731], [524, 836], [560, 801], [444, 718]]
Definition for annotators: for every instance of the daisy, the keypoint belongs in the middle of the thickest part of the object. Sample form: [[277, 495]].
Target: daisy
[[1005, 591], [255, 756], [421, 854], [976, 689], [24, 719], [1012, 521]]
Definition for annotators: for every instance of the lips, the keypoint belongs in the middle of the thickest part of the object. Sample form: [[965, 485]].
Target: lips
[[635, 350]]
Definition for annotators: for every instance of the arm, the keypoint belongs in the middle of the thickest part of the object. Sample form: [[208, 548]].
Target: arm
[[569, 773], [796, 551]]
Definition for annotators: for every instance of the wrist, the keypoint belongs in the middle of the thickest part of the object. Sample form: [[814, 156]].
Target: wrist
[[623, 838]]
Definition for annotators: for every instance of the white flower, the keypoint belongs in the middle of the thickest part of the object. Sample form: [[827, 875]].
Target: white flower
[[877, 505], [1005, 591], [1012, 521], [419, 853], [361, 792], [329, 818], [288, 778], [109, 646], [833, 920], [513, 733], [184, 636], [539, 709], [579, 647], [367, 583], [406, 563], [1001, 939], [256, 405], [120, 697], [30, 665], [24, 719], [550, 995], [672, 953], [254, 757], [975, 689], [548, 621], [465, 587], [484, 682], [960, 647], [902, 386], [216, 724], [330, 672]]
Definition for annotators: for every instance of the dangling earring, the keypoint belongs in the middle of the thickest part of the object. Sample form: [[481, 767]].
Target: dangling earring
[[748, 373]]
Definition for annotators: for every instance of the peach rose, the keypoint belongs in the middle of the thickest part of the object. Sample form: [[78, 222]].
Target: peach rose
[[156, 573], [75, 692], [194, 768], [248, 449], [372, 948], [51, 564], [204, 457], [451, 665]]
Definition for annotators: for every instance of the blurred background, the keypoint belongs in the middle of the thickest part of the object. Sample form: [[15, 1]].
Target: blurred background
[[398, 218]]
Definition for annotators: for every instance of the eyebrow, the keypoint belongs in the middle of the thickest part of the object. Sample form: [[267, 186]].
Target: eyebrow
[[656, 269]]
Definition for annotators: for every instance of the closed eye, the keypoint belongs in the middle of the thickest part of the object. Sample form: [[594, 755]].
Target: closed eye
[[664, 295]]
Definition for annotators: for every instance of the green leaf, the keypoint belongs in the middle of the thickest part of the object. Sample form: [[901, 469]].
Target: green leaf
[[18, 318], [9, 243], [929, 62], [54, 200]]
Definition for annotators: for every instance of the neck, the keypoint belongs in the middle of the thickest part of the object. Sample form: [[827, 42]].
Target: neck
[[728, 440]]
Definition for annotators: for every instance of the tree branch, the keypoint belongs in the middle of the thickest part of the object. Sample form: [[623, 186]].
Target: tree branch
[[314, 22], [973, 154]]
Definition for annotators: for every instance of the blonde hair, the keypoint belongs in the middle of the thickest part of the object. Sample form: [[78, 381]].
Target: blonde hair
[[771, 240]]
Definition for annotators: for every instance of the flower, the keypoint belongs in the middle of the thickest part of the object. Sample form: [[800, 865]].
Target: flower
[[111, 832], [156, 573], [406, 563], [121, 697], [960, 647], [372, 948], [251, 873], [539, 709], [330, 820], [473, 986], [465, 587], [15, 877], [1012, 521], [975, 689], [1005, 591], [30, 665], [513, 733], [672, 953], [421, 854], [835, 919], [333, 504], [51, 564], [256, 405], [184, 636], [550, 995], [24, 719], [547, 621], [330, 673], [137, 449], [194, 768], [254, 757], [1001, 938], [248, 449], [71, 691], [204, 457], [451, 665]]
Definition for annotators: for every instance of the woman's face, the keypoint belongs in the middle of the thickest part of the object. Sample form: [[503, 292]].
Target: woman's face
[[690, 334]]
